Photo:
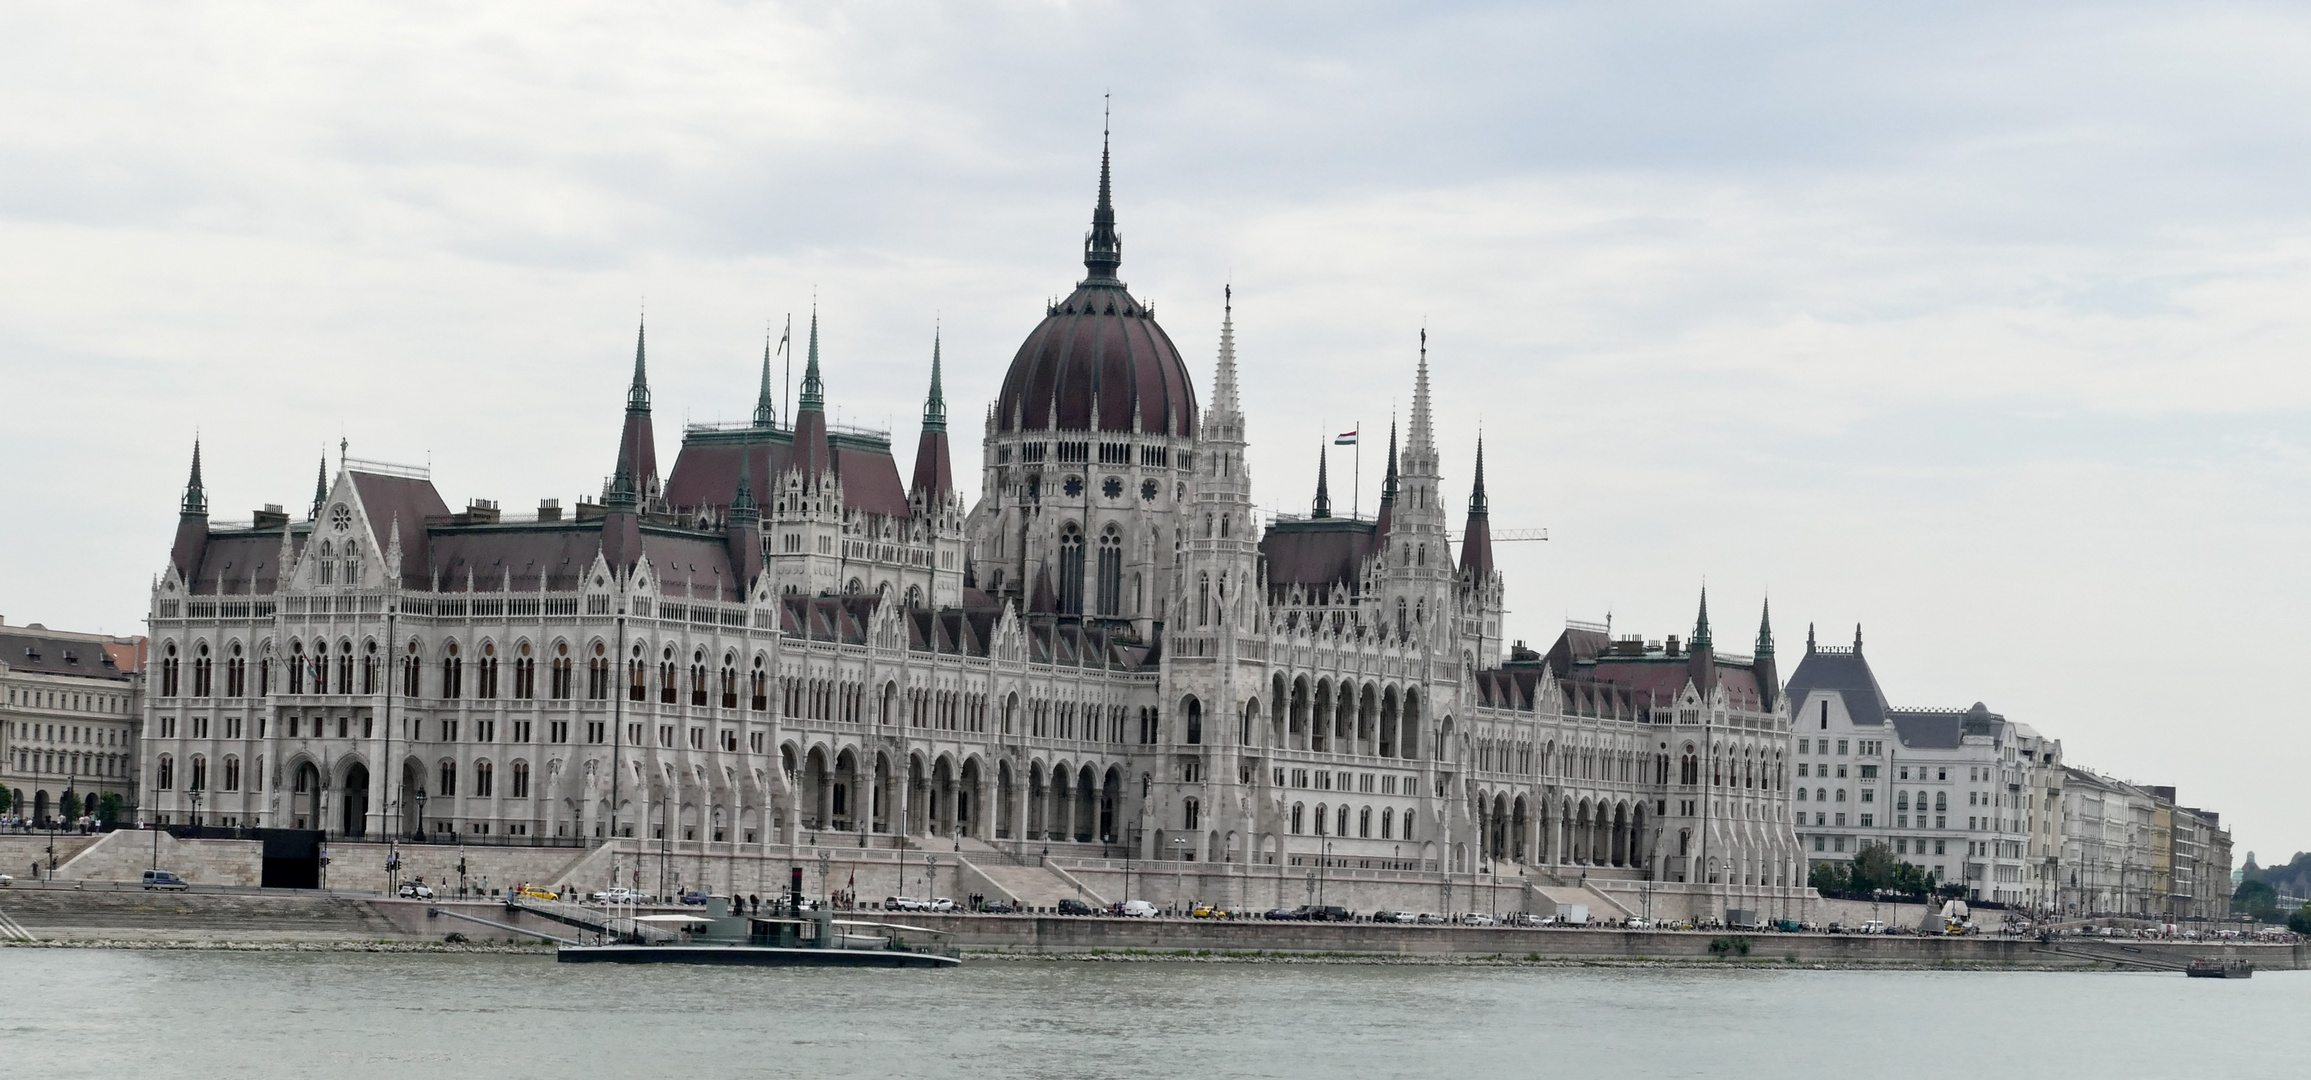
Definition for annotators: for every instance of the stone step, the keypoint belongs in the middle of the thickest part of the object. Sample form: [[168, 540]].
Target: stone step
[[137, 909]]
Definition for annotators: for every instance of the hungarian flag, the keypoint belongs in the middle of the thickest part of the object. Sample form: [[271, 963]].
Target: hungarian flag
[[1345, 438]]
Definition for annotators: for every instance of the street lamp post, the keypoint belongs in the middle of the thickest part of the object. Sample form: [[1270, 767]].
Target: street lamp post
[[930, 876], [419, 833], [1179, 871]]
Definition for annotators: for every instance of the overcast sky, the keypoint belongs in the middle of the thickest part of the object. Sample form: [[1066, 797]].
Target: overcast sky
[[1982, 328]]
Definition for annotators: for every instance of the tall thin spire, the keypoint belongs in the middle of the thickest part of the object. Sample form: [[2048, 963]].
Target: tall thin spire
[[1388, 483], [813, 389], [1323, 507], [764, 414], [1102, 248], [196, 496], [320, 487], [638, 394], [1476, 538], [935, 406], [1701, 639], [1768, 678], [1477, 506], [1224, 399]]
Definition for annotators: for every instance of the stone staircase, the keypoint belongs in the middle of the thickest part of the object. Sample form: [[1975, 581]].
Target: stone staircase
[[68, 912], [125, 856], [1000, 875]]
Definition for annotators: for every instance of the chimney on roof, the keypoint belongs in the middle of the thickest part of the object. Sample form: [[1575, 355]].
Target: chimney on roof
[[549, 509], [271, 517]]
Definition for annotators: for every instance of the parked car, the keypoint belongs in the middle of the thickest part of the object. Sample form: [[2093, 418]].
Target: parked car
[[1478, 918], [902, 903], [1386, 916], [1427, 918], [618, 895], [1327, 913], [536, 893], [1138, 909], [1207, 911], [998, 907], [411, 890], [939, 904], [1285, 914], [1073, 906], [694, 898], [1637, 923], [6, 881], [165, 879]]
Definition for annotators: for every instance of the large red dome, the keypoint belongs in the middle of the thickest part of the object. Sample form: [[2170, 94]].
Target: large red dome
[[1098, 356], [1098, 350]]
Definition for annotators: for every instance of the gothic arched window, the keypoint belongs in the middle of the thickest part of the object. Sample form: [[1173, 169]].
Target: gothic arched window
[[1070, 570], [1110, 571]]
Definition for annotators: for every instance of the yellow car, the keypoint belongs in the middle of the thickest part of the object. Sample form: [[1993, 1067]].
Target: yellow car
[[535, 893], [1207, 911]]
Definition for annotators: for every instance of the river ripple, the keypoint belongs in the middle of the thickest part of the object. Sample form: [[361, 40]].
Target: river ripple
[[220, 1014]]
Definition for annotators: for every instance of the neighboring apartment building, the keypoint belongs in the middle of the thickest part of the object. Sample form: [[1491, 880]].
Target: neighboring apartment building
[[2130, 849], [69, 709], [1960, 793]]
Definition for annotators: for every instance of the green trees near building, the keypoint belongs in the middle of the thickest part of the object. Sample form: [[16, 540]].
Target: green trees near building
[[1873, 868]]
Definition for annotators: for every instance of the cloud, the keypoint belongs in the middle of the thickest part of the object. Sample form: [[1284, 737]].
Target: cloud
[[1980, 325]]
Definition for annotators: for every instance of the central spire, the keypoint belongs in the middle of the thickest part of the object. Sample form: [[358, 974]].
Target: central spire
[[1701, 638], [1103, 249]]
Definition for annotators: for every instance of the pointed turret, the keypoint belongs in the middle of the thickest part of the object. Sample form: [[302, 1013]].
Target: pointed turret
[[1701, 653], [1476, 541], [1323, 506], [812, 455], [765, 415], [1857, 639], [196, 499], [192, 524], [1102, 248], [638, 444], [1768, 679], [1388, 487], [934, 470], [320, 488], [1809, 643]]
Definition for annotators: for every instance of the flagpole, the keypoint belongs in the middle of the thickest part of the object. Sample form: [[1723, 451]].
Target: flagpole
[[1356, 498]]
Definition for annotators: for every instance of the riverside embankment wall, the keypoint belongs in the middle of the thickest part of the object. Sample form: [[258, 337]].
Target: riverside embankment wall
[[1053, 935], [94, 914]]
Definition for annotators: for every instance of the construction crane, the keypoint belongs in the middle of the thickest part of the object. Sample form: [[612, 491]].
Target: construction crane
[[1509, 536]]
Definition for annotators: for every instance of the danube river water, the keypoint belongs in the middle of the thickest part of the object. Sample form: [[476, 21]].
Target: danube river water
[[223, 1014]]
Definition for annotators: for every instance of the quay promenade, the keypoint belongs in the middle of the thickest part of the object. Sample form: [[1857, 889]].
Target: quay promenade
[[66, 914]]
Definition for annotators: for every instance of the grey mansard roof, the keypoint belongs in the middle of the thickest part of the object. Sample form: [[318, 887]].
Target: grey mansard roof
[[1842, 670]]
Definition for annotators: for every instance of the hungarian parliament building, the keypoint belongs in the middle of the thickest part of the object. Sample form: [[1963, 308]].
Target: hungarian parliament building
[[1110, 655]]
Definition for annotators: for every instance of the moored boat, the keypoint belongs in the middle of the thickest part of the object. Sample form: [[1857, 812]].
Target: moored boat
[[727, 936], [2212, 968]]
